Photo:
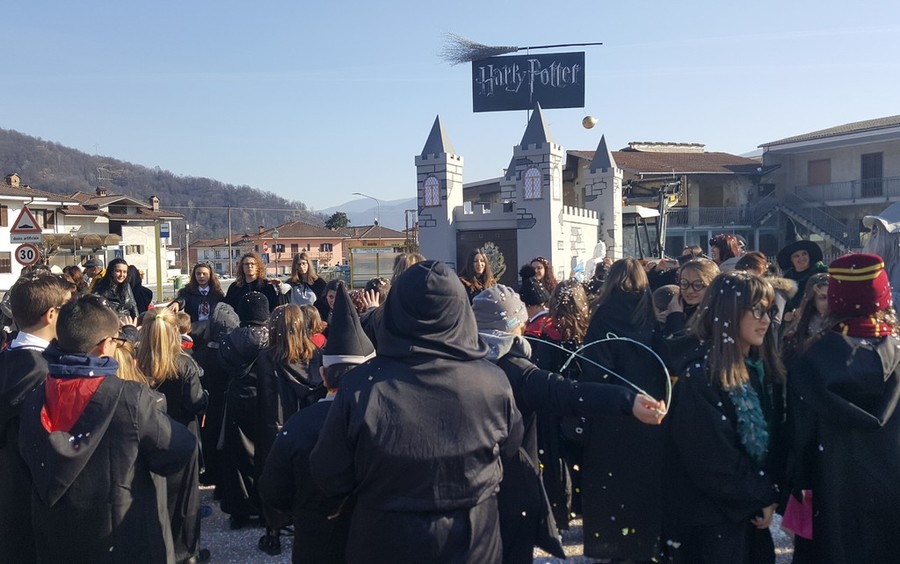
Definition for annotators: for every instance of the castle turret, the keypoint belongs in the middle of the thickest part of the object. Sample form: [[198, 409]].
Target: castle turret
[[603, 194], [534, 182], [439, 192]]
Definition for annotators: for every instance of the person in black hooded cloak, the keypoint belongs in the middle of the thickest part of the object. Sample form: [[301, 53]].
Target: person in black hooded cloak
[[417, 433]]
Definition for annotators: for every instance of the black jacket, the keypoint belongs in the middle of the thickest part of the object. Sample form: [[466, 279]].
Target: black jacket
[[190, 300], [236, 292], [321, 522], [94, 496], [622, 469], [21, 370], [713, 488], [120, 298]]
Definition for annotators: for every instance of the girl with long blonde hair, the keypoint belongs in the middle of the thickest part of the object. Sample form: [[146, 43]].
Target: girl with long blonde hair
[[176, 375]]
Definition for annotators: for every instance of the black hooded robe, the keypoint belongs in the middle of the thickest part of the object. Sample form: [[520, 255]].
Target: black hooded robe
[[622, 473], [185, 400], [94, 499], [238, 358], [417, 433], [321, 522], [847, 439]]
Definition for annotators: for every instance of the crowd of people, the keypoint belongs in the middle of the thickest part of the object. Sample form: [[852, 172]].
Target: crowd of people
[[438, 416]]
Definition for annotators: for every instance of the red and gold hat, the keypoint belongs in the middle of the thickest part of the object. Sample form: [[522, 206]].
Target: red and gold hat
[[858, 286]]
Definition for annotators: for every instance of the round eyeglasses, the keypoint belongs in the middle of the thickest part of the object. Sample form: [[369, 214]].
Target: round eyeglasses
[[696, 285], [759, 310]]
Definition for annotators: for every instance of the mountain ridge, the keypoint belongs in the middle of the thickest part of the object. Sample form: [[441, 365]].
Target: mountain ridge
[[204, 202]]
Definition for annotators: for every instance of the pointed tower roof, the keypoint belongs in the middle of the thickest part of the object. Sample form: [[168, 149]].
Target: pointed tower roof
[[603, 159], [537, 132], [438, 141]]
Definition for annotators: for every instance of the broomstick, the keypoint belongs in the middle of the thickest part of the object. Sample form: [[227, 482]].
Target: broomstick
[[461, 50]]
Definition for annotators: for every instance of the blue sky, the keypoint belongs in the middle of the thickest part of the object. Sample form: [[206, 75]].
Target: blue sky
[[316, 100]]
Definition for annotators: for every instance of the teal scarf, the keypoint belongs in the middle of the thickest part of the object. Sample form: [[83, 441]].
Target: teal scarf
[[751, 422]]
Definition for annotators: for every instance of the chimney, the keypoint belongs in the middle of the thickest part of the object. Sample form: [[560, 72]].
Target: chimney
[[101, 191], [12, 180], [154, 203], [261, 229]]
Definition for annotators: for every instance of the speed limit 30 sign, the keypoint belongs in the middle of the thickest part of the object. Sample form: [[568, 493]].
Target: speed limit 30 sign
[[26, 254]]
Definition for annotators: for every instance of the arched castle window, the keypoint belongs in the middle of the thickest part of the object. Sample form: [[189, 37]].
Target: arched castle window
[[432, 188], [556, 184], [533, 184]]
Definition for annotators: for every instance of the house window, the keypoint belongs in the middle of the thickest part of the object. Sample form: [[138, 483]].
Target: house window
[[872, 174], [295, 248], [533, 184], [4, 216], [432, 192], [5, 263], [326, 248], [119, 210], [219, 267], [46, 219], [818, 172]]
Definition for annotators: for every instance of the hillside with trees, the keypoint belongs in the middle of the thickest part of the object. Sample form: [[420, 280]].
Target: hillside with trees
[[49, 166]]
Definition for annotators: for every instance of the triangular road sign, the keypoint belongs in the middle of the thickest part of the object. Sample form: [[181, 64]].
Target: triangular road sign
[[25, 223]]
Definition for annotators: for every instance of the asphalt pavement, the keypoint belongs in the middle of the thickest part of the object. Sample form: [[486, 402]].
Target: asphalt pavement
[[239, 547]]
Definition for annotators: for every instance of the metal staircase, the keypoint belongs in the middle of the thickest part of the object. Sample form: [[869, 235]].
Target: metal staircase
[[809, 215]]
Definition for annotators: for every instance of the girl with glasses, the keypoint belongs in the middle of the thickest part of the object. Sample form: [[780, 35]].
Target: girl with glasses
[[251, 278], [694, 277], [724, 423]]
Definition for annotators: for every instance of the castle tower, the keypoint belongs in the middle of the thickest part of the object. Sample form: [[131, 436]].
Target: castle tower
[[603, 194], [534, 182], [439, 191]]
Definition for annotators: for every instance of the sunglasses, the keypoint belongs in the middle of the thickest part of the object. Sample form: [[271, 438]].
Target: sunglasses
[[758, 311]]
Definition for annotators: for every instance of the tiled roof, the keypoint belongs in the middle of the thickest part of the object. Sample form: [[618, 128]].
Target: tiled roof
[[300, 230], [28, 192], [371, 232], [847, 128], [91, 204], [144, 213], [639, 162]]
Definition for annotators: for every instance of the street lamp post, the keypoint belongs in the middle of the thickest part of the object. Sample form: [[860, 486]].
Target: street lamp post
[[275, 235], [377, 219], [187, 248], [74, 232]]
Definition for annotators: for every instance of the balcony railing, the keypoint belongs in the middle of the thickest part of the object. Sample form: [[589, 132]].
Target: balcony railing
[[719, 217], [887, 188]]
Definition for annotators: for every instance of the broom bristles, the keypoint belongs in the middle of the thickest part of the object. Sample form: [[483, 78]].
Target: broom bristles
[[461, 50]]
